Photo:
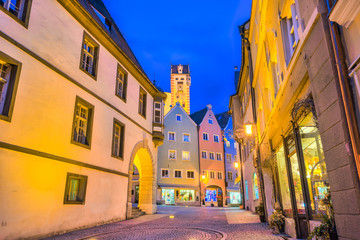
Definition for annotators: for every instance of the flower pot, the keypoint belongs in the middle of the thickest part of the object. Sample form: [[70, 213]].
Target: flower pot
[[262, 218]]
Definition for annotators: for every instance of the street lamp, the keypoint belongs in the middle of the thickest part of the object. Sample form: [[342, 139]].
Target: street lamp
[[248, 129], [236, 164]]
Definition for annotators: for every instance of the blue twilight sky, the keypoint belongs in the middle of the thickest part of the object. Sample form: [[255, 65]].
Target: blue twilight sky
[[200, 33]]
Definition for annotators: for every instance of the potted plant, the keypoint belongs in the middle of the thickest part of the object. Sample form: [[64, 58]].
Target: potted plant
[[327, 229], [261, 211], [277, 220]]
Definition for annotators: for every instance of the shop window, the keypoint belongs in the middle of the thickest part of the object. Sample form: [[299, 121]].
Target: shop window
[[168, 195], [255, 187], [187, 196], [316, 174], [246, 190], [210, 196], [118, 139], [284, 182], [82, 123], [75, 189], [17, 9], [9, 77], [234, 198]]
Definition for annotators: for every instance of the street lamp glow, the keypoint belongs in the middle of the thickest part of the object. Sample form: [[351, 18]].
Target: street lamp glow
[[236, 165], [248, 129], [203, 176]]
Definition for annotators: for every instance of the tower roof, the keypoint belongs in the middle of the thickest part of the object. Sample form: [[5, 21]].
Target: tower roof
[[186, 69]]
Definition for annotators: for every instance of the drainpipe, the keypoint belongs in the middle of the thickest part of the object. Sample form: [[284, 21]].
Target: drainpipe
[[252, 90], [242, 177], [224, 157]]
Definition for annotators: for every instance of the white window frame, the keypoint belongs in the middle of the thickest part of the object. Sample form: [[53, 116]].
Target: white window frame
[[227, 159], [188, 153], [210, 121], [158, 110], [174, 136], [17, 11], [207, 136], [212, 175], [168, 173], [205, 153], [178, 115], [81, 123], [219, 175], [88, 50], [169, 151], [5, 78], [218, 138], [193, 173], [219, 158], [212, 154], [184, 137], [230, 176], [178, 170]]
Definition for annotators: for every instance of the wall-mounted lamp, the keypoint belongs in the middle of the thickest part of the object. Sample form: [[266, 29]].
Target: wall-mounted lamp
[[236, 164], [248, 129]]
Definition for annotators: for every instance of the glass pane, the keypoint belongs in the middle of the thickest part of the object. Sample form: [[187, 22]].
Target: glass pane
[[187, 195], [316, 174], [73, 190], [297, 184], [284, 182]]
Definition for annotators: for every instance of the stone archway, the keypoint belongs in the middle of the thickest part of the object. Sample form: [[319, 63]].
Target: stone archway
[[142, 158], [219, 194]]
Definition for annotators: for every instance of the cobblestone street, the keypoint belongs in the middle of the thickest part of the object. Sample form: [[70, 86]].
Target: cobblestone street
[[181, 223]]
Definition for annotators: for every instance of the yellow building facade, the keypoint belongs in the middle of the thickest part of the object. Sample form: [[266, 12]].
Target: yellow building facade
[[71, 97], [300, 142]]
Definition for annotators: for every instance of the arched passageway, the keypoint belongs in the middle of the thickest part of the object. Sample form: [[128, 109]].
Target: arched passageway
[[214, 196], [141, 157]]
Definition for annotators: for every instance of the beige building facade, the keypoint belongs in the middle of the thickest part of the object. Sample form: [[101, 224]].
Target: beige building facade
[[302, 145], [77, 112]]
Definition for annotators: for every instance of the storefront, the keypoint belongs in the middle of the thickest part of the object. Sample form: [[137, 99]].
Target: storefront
[[234, 198], [302, 175], [213, 196], [171, 196]]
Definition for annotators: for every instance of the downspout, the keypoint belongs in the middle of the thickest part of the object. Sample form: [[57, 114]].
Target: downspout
[[226, 183], [242, 178], [252, 90]]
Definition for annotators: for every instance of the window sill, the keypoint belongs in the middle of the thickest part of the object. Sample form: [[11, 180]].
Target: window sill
[[81, 144], [89, 74], [24, 24], [123, 99], [144, 116], [117, 157], [74, 202]]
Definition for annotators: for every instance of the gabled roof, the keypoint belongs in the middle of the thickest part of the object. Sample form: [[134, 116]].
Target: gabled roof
[[223, 119], [186, 70], [115, 33], [199, 115], [182, 109]]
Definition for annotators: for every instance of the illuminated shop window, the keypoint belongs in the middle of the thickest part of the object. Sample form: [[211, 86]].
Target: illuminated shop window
[[210, 196], [75, 189], [187, 195], [283, 179], [246, 190], [235, 198], [255, 186], [168, 195]]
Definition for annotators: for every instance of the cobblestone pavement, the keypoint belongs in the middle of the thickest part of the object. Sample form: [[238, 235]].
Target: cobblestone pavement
[[183, 223]]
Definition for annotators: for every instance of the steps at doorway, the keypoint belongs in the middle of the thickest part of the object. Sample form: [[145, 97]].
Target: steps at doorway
[[136, 212]]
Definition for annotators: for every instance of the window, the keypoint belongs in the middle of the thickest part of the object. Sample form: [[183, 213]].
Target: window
[[185, 155], [235, 145], [216, 138], [171, 136], [212, 174], [9, 78], [246, 190], [255, 186], [190, 174], [89, 55], [210, 121], [218, 156], [228, 158], [178, 174], [118, 139], [121, 83], [157, 112], [227, 144], [186, 137], [219, 175], [235, 158], [164, 173], [82, 123], [203, 154], [172, 154], [103, 19], [230, 176], [187, 195], [75, 189], [205, 173], [206, 136], [178, 117], [289, 28], [17, 9], [142, 102], [211, 156]]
